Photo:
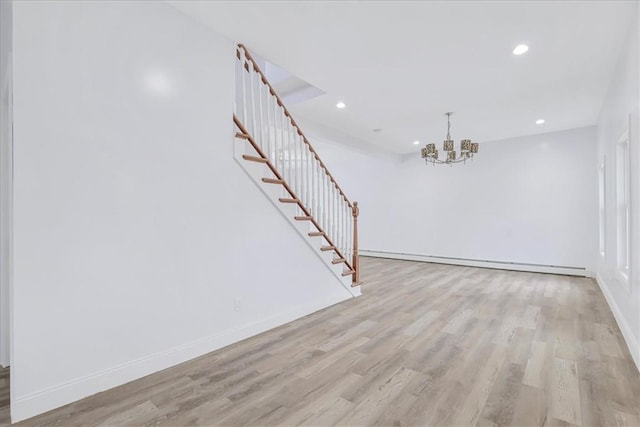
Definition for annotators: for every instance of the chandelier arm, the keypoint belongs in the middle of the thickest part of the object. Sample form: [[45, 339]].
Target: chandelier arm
[[445, 162]]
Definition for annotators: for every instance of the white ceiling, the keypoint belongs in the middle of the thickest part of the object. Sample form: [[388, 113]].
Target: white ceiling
[[399, 66]]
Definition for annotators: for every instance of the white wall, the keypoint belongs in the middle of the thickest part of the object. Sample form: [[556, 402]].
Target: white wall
[[6, 7], [620, 108], [528, 200], [135, 230], [6, 112]]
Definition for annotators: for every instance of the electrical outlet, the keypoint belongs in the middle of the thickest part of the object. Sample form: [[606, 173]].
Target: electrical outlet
[[236, 305]]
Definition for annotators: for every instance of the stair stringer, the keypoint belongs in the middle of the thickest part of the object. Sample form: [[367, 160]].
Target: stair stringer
[[257, 171]]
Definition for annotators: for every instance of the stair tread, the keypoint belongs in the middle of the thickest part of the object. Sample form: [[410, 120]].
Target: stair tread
[[273, 181], [317, 233], [303, 218], [254, 159], [338, 261], [288, 200], [348, 273], [241, 135], [327, 248]]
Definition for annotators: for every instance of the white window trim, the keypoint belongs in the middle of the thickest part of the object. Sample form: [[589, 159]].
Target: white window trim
[[622, 272], [602, 207]]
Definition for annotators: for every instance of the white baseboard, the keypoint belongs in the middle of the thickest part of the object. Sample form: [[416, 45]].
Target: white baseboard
[[629, 338], [499, 265], [27, 406]]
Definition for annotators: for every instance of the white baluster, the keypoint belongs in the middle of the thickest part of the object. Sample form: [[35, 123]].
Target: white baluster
[[299, 162], [303, 169], [326, 200], [314, 171], [318, 193], [337, 219], [331, 203], [341, 199], [274, 126], [349, 233], [285, 145], [288, 156], [260, 114], [252, 100], [243, 72], [294, 163], [307, 165], [265, 111], [345, 233], [314, 185], [319, 182], [268, 113], [280, 150], [342, 245], [338, 223]]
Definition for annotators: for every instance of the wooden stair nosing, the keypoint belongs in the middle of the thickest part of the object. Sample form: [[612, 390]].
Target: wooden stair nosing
[[254, 159], [241, 135], [338, 261], [288, 200], [328, 248], [317, 233], [303, 218], [348, 273], [273, 181]]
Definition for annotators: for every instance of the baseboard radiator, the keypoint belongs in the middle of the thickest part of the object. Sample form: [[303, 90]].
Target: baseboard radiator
[[481, 263]]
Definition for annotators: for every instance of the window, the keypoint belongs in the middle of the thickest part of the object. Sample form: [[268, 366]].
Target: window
[[602, 174], [623, 181]]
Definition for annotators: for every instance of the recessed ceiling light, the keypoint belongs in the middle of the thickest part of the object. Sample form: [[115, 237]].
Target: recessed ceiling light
[[341, 104], [520, 49], [416, 142], [539, 121]]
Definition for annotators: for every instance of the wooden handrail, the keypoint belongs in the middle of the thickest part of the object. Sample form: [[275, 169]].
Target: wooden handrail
[[247, 54]]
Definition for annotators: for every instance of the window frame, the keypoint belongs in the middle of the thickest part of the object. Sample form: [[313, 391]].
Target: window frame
[[623, 209], [602, 207]]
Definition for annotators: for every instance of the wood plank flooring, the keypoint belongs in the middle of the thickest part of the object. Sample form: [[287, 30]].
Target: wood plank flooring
[[426, 344], [4, 396]]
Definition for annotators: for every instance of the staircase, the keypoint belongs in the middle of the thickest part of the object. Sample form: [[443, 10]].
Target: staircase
[[274, 151]]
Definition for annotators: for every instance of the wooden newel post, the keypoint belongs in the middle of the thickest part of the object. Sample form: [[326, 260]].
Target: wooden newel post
[[356, 263]]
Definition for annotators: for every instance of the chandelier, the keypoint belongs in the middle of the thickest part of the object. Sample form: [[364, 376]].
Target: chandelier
[[467, 149]]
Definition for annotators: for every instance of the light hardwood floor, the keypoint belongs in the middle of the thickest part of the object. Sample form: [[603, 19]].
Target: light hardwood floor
[[426, 344], [4, 396]]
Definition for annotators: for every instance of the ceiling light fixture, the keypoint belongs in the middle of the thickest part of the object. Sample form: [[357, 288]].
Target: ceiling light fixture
[[416, 142], [341, 105], [467, 149], [539, 121], [520, 49]]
